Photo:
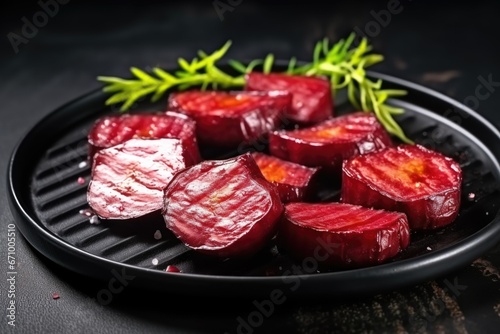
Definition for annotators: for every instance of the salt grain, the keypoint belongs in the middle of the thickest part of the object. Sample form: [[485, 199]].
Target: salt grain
[[81, 180], [82, 164], [155, 261], [157, 235], [471, 196], [428, 248], [94, 220]]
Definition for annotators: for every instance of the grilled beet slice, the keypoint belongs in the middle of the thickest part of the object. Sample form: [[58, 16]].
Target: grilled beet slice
[[342, 235], [228, 119], [223, 208], [293, 181], [328, 143], [115, 129], [312, 96], [424, 184], [128, 179]]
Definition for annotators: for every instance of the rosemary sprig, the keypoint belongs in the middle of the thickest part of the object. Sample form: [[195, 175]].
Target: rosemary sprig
[[202, 71], [344, 64]]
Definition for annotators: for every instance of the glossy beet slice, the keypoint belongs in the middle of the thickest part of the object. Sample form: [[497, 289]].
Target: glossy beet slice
[[115, 129], [223, 208], [228, 119], [312, 96], [293, 181], [328, 143], [128, 179], [342, 235], [424, 184]]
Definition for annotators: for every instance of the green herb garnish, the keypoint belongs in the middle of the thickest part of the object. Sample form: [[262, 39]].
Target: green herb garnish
[[343, 63]]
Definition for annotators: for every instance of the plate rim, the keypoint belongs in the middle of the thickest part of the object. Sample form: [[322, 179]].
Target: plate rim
[[403, 273]]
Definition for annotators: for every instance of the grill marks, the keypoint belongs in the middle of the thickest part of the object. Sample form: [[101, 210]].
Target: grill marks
[[115, 129], [342, 217], [412, 177]]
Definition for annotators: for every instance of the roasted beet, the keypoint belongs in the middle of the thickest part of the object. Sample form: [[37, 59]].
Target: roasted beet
[[293, 181], [223, 208], [328, 143], [228, 119], [422, 183], [312, 96], [337, 235], [128, 179], [115, 129]]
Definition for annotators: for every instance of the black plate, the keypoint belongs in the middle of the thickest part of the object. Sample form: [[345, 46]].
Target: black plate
[[46, 200]]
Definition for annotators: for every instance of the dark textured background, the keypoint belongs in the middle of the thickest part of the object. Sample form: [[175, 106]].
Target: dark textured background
[[444, 46]]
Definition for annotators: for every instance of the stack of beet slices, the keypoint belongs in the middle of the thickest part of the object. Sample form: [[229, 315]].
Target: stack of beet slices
[[153, 163]]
